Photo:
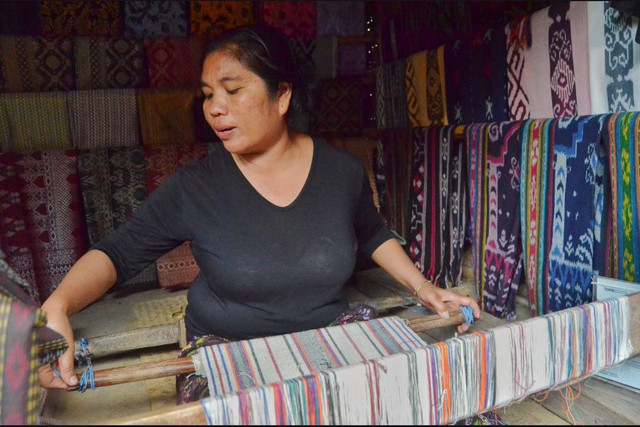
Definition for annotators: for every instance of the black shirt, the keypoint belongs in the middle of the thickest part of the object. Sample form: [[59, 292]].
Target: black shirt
[[264, 269]]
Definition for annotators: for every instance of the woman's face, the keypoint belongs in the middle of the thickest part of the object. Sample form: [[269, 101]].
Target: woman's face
[[238, 107]]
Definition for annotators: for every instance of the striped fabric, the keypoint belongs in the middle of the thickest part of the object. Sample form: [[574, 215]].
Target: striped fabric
[[36, 64], [34, 121], [426, 96], [166, 117], [391, 96], [103, 118], [238, 365], [82, 18], [624, 168], [155, 18]]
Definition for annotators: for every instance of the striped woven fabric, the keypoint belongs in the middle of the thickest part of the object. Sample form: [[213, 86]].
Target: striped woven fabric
[[155, 19], [82, 18], [494, 199], [426, 97], [103, 118], [391, 95], [173, 62], [33, 121], [624, 168], [210, 18], [166, 117], [36, 64], [238, 365], [109, 62]]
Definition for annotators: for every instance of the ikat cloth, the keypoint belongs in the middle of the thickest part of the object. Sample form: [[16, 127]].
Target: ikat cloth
[[63, 18], [210, 18], [155, 18], [340, 18], [173, 62], [426, 95], [518, 37], [166, 116], [340, 108], [494, 151], [391, 96], [293, 18]]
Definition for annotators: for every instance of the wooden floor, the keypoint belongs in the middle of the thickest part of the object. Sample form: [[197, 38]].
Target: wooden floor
[[598, 402]]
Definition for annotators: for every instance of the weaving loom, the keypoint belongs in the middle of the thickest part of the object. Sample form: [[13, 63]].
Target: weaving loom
[[412, 383]]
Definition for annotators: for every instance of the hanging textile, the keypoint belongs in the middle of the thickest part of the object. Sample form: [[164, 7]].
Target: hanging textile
[[340, 107], [103, 118], [210, 18], [155, 19], [438, 205], [459, 91], [62, 18], [173, 62], [488, 77], [19, 18], [293, 18], [34, 121], [302, 49], [36, 64], [177, 268], [433, 384], [426, 97], [614, 59], [562, 208], [273, 359], [391, 96], [26, 345], [108, 202], [352, 59], [109, 62], [325, 57], [518, 35], [494, 197], [623, 135], [555, 76], [340, 18], [166, 116]]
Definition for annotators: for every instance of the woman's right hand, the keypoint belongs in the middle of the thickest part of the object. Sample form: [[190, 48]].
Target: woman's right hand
[[59, 322]]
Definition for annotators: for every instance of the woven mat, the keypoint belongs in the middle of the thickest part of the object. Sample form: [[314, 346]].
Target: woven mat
[[164, 311]]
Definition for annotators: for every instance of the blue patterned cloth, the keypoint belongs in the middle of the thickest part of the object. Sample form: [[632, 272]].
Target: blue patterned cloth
[[155, 18]]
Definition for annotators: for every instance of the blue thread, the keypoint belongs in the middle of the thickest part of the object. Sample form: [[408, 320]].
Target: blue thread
[[83, 357], [55, 371], [468, 314]]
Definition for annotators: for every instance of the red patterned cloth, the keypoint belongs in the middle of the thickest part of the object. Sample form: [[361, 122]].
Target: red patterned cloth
[[173, 62], [81, 18], [293, 18], [177, 268], [210, 18]]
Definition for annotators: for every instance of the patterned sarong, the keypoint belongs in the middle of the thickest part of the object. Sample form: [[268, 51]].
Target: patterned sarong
[[81, 18], [155, 19], [426, 96], [33, 121], [438, 205], [109, 62], [614, 59], [623, 134], [173, 62], [103, 118], [494, 198], [36, 64], [166, 117], [210, 18]]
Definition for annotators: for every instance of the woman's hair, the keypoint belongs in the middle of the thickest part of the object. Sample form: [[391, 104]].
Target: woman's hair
[[265, 51]]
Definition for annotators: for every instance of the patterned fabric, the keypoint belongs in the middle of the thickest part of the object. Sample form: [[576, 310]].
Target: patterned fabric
[[565, 194], [559, 49], [173, 62], [340, 107], [176, 269], [33, 121], [624, 166], [459, 90], [488, 77], [391, 96], [438, 205], [293, 18], [518, 34], [613, 59], [210, 18], [302, 50], [340, 18], [352, 59], [494, 197], [36, 64], [109, 62], [81, 18], [166, 117], [426, 97], [103, 118], [325, 57], [113, 187], [155, 18], [19, 18]]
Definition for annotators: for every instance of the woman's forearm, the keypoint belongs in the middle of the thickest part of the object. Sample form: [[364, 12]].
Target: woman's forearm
[[392, 258], [89, 278]]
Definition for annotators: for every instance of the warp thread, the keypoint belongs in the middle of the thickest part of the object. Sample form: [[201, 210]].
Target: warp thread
[[83, 357]]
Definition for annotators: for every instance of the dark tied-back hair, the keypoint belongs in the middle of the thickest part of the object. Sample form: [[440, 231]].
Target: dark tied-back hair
[[265, 51]]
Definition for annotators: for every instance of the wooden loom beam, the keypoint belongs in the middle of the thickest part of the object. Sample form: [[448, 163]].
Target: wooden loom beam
[[193, 413]]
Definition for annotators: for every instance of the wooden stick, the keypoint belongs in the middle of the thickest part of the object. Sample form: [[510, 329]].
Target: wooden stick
[[193, 413], [184, 365]]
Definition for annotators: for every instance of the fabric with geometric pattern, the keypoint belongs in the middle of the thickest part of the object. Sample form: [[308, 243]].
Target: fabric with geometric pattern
[[155, 19], [81, 18], [210, 18], [173, 62], [166, 116], [293, 18]]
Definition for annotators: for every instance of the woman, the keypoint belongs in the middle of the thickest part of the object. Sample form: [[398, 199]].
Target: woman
[[276, 218]]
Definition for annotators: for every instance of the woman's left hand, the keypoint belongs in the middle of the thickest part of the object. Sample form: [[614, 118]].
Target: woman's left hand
[[443, 301]]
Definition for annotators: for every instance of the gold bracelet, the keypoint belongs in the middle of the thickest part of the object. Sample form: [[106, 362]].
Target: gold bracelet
[[415, 291]]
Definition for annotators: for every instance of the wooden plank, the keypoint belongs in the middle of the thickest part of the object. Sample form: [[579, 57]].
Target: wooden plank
[[619, 399], [154, 336], [188, 414], [529, 412]]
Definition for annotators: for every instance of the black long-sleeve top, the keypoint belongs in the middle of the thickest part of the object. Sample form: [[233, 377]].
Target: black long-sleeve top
[[264, 269]]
